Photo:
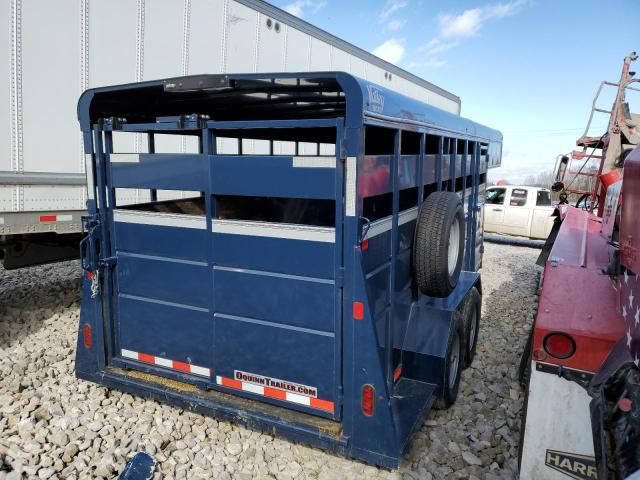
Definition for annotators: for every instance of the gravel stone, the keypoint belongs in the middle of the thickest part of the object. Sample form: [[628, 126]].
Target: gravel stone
[[53, 425]]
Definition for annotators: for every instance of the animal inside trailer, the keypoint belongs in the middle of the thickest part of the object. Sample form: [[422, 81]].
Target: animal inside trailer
[[316, 295]]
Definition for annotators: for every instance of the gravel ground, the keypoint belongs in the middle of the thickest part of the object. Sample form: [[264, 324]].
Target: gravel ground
[[55, 426]]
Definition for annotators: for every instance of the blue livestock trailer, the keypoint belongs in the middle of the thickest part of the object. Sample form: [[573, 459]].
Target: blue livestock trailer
[[319, 280]]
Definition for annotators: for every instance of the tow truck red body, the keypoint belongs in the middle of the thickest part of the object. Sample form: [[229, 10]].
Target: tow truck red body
[[581, 417]]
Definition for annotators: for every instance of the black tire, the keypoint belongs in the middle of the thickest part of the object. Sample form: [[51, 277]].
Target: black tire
[[471, 318], [452, 367], [440, 213]]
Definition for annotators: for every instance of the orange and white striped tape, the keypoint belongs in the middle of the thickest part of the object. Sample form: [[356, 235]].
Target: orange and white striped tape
[[276, 393], [164, 362]]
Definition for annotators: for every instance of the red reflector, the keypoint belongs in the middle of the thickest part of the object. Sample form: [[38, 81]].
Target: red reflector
[[625, 405], [365, 244], [90, 276], [397, 373], [368, 400], [47, 218], [358, 310], [559, 345], [86, 330]]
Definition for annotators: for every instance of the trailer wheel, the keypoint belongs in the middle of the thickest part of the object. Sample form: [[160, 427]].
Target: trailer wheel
[[439, 244], [471, 316], [452, 367]]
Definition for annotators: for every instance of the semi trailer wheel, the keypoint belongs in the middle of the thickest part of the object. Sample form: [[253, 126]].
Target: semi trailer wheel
[[452, 366], [471, 317], [438, 246]]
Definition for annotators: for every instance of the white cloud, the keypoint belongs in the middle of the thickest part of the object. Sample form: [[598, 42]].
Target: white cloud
[[469, 22], [392, 50], [391, 7], [298, 7], [395, 25], [436, 46], [452, 28]]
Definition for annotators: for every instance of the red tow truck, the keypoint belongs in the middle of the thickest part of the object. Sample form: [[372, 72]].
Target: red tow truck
[[581, 417]]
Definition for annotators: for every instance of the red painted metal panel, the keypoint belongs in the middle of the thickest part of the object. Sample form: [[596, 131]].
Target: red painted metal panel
[[577, 298]]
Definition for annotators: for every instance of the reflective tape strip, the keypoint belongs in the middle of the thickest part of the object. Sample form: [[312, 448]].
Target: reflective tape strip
[[276, 393], [350, 187], [55, 218], [275, 230], [314, 162], [88, 161], [124, 158], [384, 224], [166, 363], [198, 222]]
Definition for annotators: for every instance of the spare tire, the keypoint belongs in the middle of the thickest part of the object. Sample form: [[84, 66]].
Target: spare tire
[[438, 247]]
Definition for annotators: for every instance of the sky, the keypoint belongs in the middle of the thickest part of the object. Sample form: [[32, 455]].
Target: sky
[[529, 68]]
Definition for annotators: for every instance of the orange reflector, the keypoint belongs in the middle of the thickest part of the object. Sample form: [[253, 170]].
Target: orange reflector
[[396, 373], [365, 244], [88, 341], [358, 310], [368, 400]]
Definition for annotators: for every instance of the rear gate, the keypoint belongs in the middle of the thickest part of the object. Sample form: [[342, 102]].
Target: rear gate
[[216, 297]]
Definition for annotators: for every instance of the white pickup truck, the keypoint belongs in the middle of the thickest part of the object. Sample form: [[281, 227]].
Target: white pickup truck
[[518, 210]]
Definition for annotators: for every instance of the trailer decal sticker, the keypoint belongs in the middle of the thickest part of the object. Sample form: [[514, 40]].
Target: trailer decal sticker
[[275, 388], [166, 363], [198, 222], [579, 467], [275, 230], [314, 162]]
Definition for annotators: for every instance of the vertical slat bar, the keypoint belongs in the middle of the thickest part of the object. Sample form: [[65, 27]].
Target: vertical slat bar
[[420, 169], [152, 149], [339, 263], [395, 159], [439, 163], [209, 147]]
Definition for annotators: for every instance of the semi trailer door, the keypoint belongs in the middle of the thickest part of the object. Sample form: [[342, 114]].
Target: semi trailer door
[[236, 288]]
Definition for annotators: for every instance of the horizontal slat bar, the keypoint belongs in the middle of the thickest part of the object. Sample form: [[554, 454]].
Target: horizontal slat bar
[[275, 230], [42, 178]]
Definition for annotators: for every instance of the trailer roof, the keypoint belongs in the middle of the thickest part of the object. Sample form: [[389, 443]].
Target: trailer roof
[[270, 96]]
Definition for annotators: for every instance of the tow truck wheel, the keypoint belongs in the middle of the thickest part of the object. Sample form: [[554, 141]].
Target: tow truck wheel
[[471, 317], [452, 367], [438, 247]]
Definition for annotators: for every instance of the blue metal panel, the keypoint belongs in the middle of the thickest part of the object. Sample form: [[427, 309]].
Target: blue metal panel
[[277, 351], [162, 172], [179, 281], [270, 177], [295, 301], [175, 332], [313, 259], [162, 241]]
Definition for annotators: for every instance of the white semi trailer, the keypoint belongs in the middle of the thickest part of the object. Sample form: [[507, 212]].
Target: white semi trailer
[[50, 52]]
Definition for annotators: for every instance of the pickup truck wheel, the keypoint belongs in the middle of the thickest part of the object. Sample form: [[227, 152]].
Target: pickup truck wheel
[[452, 366], [438, 247], [471, 316]]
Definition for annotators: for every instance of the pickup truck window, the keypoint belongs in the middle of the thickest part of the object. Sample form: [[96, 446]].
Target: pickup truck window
[[518, 197], [543, 199], [496, 196]]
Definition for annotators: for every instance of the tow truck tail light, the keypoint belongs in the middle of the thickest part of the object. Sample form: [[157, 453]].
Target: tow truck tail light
[[559, 345], [368, 400]]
